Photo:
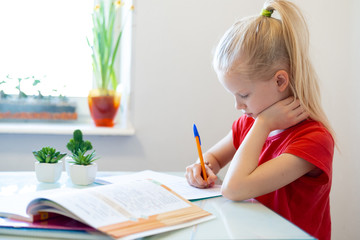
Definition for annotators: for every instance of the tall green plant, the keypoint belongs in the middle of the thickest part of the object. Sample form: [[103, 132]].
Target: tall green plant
[[106, 41], [78, 147], [77, 143]]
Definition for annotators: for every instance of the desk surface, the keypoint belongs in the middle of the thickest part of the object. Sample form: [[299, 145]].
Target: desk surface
[[234, 220]]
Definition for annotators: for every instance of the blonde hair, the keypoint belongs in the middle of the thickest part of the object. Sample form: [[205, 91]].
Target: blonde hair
[[266, 45]]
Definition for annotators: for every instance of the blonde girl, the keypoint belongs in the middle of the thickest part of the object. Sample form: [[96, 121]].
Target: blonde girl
[[281, 149]]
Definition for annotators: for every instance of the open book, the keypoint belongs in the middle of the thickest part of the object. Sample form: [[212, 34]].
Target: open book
[[176, 183], [128, 210]]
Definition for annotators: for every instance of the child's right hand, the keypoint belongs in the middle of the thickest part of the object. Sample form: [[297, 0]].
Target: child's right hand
[[283, 114], [194, 177]]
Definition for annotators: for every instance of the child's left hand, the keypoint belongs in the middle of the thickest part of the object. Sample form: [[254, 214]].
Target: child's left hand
[[283, 114]]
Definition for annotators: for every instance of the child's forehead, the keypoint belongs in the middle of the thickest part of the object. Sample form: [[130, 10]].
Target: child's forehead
[[235, 81], [235, 84]]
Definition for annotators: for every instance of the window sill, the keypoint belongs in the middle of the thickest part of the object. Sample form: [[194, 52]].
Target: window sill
[[60, 128]]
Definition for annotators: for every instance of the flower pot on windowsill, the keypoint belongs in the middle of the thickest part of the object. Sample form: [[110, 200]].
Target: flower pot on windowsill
[[105, 46], [82, 174], [103, 106], [48, 172]]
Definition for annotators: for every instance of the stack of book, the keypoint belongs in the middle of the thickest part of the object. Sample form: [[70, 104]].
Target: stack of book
[[126, 210]]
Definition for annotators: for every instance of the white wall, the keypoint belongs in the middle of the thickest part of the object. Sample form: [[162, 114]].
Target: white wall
[[174, 86], [335, 36]]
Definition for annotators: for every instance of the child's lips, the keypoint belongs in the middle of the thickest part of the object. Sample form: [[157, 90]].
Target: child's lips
[[247, 114]]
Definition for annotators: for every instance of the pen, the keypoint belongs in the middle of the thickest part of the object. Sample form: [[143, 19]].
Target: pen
[[198, 144]]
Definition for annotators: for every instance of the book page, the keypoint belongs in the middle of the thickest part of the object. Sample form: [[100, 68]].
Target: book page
[[116, 203], [176, 183]]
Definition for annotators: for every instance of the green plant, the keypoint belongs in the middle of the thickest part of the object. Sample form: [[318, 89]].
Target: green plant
[[78, 147], [20, 80], [105, 45], [77, 143], [48, 155], [82, 159], [18, 87]]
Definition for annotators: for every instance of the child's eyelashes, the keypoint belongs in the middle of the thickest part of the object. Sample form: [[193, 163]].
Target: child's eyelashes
[[243, 96]]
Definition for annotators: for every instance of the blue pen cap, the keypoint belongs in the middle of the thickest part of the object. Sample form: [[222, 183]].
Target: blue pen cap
[[196, 133]]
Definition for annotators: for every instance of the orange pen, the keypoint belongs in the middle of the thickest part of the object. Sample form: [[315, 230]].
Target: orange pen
[[198, 144]]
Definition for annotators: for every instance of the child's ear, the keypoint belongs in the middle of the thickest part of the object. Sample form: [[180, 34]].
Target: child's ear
[[282, 80]]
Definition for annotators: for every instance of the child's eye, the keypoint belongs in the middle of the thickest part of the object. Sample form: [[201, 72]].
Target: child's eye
[[243, 96]]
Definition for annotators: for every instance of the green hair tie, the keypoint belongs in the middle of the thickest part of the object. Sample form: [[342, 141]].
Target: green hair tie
[[266, 13]]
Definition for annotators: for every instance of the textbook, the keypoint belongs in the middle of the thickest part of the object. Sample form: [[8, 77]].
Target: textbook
[[127, 210]]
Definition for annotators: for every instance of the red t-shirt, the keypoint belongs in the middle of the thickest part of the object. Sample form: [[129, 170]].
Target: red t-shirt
[[305, 201]]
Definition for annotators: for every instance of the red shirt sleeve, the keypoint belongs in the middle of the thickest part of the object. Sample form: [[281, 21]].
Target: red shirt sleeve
[[315, 145]]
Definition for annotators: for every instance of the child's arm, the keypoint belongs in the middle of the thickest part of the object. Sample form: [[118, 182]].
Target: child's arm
[[245, 179], [215, 158]]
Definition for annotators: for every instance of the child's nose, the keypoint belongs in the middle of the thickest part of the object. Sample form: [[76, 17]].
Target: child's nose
[[239, 105]]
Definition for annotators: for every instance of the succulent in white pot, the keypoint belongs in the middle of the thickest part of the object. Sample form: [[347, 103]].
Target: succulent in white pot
[[48, 166], [75, 145], [81, 168]]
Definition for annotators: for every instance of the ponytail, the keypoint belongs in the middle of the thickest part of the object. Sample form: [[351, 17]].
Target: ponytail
[[303, 78]]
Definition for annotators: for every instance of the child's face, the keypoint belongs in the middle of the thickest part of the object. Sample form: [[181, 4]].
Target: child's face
[[251, 96]]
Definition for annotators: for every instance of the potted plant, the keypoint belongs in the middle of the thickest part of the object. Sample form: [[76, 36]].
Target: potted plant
[[104, 100], [81, 169], [74, 145], [48, 166]]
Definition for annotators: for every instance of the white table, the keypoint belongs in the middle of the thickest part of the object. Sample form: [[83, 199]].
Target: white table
[[234, 220]]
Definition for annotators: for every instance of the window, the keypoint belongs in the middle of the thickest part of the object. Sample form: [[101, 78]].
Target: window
[[46, 40]]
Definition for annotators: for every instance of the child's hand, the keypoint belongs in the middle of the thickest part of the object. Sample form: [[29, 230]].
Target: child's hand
[[194, 177], [283, 114]]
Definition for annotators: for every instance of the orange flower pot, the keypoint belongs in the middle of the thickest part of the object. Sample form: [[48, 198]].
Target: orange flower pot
[[103, 106]]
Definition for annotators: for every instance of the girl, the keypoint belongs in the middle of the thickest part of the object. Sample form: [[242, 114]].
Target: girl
[[281, 148]]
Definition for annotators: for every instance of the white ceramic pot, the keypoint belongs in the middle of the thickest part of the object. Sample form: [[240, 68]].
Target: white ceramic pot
[[82, 175], [48, 172]]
